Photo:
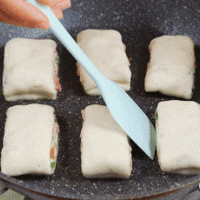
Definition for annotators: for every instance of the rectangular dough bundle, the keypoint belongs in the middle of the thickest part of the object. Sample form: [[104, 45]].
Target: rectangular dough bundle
[[107, 52], [178, 136], [30, 69], [105, 149], [30, 142], [172, 66]]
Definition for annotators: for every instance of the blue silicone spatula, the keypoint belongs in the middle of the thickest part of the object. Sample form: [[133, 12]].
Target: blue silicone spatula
[[123, 109]]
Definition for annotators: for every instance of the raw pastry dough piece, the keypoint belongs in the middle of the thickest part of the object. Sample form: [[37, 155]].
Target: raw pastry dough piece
[[105, 149], [30, 142], [178, 136], [107, 52], [172, 66], [30, 69]]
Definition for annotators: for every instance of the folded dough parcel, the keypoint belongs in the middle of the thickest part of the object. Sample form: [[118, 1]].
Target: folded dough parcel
[[171, 69], [30, 142], [108, 53], [30, 69]]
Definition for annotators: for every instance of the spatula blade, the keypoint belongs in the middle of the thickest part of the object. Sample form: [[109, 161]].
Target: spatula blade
[[129, 116]]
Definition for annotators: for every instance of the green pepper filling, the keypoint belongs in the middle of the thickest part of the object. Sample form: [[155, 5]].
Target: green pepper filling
[[153, 140], [53, 164], [129, 140], [156, 116], [57, 61]]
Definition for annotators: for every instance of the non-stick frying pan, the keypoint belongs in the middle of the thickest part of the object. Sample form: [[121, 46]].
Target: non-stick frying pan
[[138, 22]]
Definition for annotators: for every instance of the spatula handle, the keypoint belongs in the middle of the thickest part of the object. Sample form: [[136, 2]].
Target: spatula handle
[[68, 42]]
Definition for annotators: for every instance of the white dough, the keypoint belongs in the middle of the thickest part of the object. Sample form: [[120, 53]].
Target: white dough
[[29, 69], [107, 52], [30, 132], [172, 66], [178, 136], [105, 149]]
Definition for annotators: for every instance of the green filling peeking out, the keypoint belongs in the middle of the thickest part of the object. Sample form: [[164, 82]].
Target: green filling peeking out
[[57, 61], [156, 116], [129, 140], [153, 140], [53, 164]]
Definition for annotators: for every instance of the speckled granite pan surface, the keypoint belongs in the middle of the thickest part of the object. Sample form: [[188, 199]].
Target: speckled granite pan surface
[[138, 22]]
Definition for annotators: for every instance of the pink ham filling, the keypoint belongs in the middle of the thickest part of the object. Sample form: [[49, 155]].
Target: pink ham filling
[[57, 81], [148, 66], [152, 43], [54, 149], [57, 131], [150, 49], [83, 117], [83, 114], [57, 128], [77, 70]]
